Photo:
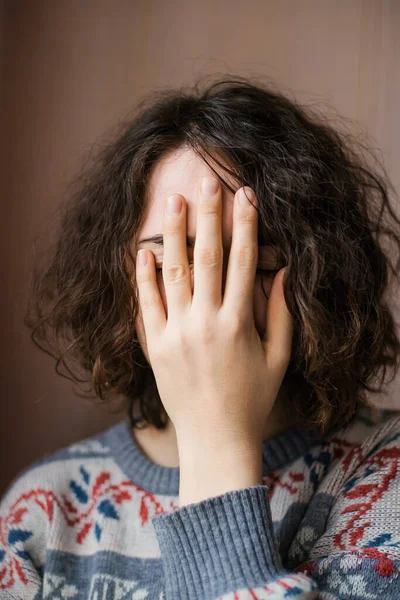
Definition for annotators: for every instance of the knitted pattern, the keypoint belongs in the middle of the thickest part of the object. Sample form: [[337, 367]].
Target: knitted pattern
[[98, 520]]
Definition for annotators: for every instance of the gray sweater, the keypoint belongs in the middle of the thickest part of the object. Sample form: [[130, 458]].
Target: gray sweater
[[98, 520]]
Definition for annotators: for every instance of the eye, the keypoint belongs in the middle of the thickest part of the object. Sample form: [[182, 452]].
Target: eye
[[269, 272], [159, 269]]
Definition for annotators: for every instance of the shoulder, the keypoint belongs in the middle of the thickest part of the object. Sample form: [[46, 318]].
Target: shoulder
[[369, 423], [53, 469], [57, 487], [345, 450], [49, 508], [372, 473], [355, 543], [367, 439], [365, 485]]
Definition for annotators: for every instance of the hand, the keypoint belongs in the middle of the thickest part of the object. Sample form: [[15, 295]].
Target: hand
[[216, 377]]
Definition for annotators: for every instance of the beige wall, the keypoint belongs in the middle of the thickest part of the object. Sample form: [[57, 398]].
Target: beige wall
[[72, 68]]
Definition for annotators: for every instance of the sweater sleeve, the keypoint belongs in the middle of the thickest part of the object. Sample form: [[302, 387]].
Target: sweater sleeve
[[224, 548]]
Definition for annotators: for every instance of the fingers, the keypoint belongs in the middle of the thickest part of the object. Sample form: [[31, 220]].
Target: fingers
[[208, 259], [238, 298], [176, 272], [208, 250], [151, 304]]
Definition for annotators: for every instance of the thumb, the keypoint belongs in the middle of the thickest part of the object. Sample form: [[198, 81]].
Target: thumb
[[279, 330]]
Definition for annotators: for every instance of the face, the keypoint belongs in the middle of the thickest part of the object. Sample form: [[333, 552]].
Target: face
[[181, 172]]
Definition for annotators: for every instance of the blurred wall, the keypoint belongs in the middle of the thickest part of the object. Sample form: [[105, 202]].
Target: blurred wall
[[71, 69]]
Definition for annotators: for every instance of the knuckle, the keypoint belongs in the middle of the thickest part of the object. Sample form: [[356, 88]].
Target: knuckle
[[248, 216], [208, 208], [206, 334], [142, 277], [174, 273], [202, 329], [175, 341], [170, 346], [148, 302], [185, 343], [209, 257], [246, 257], [236, 324]]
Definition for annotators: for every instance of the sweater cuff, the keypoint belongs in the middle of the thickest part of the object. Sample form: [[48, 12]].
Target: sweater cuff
[[218, 545]]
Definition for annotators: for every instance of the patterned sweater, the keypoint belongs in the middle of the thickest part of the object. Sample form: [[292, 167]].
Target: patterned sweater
[[98, 520]]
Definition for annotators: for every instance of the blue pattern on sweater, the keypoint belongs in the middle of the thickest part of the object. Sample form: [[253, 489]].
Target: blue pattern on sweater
[[99, 521]]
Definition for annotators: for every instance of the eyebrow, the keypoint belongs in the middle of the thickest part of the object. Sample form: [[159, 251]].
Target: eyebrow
[[190, 241]]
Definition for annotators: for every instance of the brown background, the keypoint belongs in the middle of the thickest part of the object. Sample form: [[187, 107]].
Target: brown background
[[71, 69]]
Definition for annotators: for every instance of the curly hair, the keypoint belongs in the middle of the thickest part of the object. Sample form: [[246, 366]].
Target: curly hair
[[321, 206]]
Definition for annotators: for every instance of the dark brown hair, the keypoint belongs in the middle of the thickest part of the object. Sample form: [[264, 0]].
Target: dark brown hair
[[321, 205]]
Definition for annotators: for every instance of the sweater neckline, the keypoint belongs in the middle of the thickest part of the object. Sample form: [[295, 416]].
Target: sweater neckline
[[277, 452]]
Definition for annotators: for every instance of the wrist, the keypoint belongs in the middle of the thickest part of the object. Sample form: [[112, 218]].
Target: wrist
[[205, 475]]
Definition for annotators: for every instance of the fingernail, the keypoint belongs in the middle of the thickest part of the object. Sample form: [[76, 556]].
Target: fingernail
[[174, 205], [209, 186], [245, 195]]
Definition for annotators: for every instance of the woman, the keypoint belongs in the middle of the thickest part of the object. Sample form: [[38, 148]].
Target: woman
[[251, 463]]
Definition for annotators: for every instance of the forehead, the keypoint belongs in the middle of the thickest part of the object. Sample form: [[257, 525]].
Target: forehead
[[180, 172]]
